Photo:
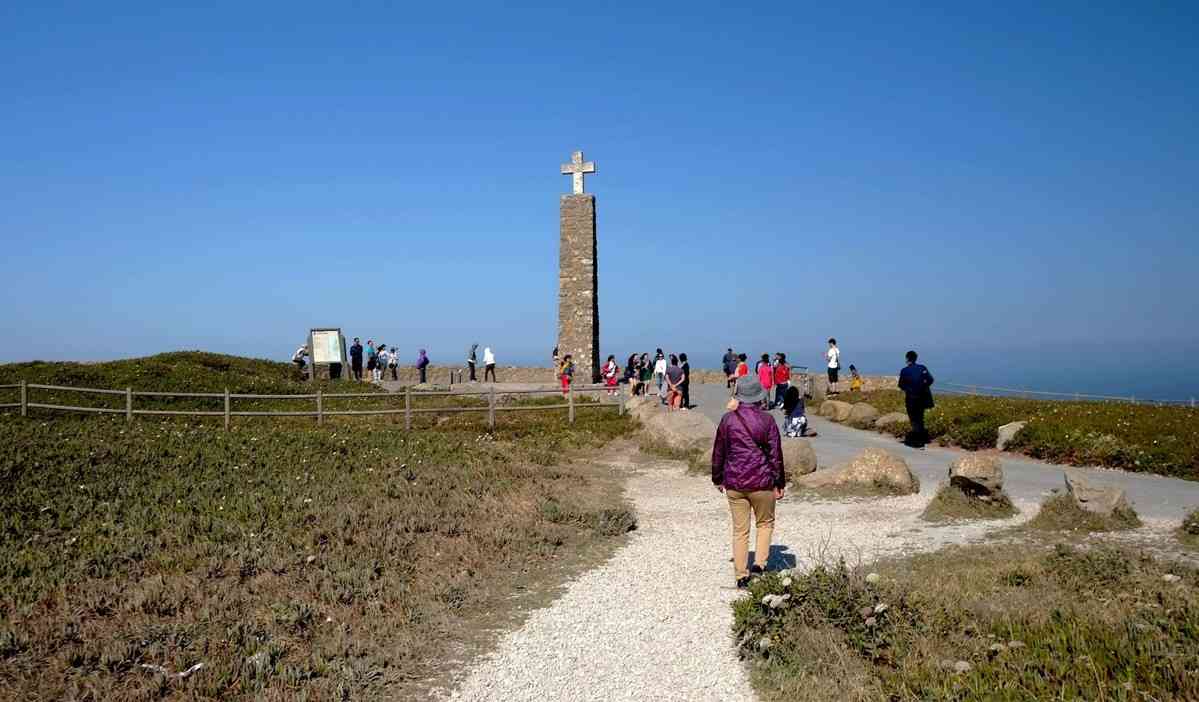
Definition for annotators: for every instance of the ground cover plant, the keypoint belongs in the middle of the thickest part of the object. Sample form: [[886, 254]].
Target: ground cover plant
[[1188, 533], [1061, 513], [1146, 438], [1007, 622], [293, 561], [951, 503]]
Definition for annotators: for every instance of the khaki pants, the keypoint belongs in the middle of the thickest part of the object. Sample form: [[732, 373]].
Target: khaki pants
[[761, 502]]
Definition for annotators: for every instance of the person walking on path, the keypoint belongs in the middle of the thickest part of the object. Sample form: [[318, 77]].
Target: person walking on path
[[782, 378], [686, 387], [611, 373], [646, 371], [674, 384], [747, 466], [566, 372], [916, 383], [422, 365], [630, 374], [660, 374], [730, 368], [834, 365], [356, 359], [488, 364], [471, 360], [393, 363], [765, 375]]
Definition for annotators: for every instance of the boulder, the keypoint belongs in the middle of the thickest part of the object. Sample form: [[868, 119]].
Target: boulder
[[870, 469], [799, 458], [862, 415], [889, 419], [682, 431], [1007, 432], [1104, 501], [976, 474], [836, 410]]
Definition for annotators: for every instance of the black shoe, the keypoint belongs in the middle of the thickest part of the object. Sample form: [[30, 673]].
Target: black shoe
[[757, 571], [743, 583]]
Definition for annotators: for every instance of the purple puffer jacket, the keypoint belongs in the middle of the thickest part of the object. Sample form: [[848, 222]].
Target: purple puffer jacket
[[737, 461]]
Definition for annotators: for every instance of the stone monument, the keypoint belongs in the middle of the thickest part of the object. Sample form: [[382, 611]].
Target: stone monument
[[578, 299]]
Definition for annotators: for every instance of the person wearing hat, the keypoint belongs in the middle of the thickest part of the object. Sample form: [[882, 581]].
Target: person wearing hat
[[747, 466]]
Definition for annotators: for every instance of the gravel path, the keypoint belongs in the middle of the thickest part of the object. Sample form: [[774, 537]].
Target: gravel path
[[653, 623]]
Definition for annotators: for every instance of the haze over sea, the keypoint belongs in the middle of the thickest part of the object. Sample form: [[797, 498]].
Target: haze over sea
[[1008, 188]]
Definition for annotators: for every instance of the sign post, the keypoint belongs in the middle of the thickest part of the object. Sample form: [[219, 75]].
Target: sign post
[[327, 351]]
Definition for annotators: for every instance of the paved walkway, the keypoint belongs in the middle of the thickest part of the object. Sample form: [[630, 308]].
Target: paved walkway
[[1026, 479]]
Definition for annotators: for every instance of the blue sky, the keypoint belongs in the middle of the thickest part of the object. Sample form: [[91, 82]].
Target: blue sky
[[961, 178]]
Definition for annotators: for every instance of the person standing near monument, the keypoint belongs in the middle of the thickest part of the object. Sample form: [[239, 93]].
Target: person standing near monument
[[833, 355], [393, 363], [730, 368], [611, 374], [747, 466], [916, 383], [488, 364], [782, 378], [674, 383], [660, 374], [566, 372], [645, 371], [471, 360], [686, 381], [765, 373], [356, 359], [372, 357]]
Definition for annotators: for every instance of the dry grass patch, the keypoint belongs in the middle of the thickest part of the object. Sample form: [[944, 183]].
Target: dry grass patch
[[952, 504], [976, 623], [1061, 513]]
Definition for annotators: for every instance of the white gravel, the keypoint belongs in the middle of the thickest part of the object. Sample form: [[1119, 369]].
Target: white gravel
[[653, 623]]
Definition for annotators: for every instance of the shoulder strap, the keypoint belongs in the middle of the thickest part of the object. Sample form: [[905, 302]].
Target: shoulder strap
[[744, 425]]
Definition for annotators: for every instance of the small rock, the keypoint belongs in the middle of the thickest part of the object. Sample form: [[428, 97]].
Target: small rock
[[962, 667], [872, 578], [1014, 644], [1171, 578], [764, 643], [889, 419], [880, 608], [1007, 432], [1099, 500], [977, 474], [866, 611], [871, 621], [997, 648], [310, 559]]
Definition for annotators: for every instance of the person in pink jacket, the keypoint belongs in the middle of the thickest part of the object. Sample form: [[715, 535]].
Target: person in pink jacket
[[766, 375]]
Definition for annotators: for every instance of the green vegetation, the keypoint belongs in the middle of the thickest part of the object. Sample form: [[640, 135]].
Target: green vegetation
[[976, 623], [1061, 513], [1143, 438], [951, 504], [293, 561], [1188, 533]]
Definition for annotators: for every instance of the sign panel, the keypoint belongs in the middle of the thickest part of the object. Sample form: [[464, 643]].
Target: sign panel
[[326, 346]]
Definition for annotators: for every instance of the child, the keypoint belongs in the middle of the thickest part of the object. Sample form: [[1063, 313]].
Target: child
[[855, 379], [611, 373], [796, 422], [565, 372]]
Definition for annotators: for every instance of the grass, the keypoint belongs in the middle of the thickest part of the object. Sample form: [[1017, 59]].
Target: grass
[[1163, 440], [1060, 513], [848, 490], [1188, 533], [976, 623], [951, 503], [294, 561]]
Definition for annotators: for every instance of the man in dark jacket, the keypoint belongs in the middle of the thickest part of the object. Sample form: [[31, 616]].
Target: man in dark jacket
[[747, 466], [730, 367], [356, 359], [916, 383]]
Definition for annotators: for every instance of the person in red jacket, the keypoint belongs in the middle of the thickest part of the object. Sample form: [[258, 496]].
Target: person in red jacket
[[765, 375], [747, 466], [782, 378]]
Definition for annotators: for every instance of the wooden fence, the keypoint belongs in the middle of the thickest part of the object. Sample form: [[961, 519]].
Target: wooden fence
[[319, 397]]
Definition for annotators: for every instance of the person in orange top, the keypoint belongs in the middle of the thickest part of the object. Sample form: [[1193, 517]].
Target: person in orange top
[[766, 376], [782, 378], [742, 367]]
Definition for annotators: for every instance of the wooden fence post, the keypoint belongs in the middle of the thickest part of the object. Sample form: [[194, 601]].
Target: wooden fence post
[[25, 399], [491, 408], [128, 404], [320, 407], [226, 409], [570, 401], [407, 408]]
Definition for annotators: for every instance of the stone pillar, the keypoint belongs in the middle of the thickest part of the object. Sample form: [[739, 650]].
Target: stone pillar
[[578, 289]]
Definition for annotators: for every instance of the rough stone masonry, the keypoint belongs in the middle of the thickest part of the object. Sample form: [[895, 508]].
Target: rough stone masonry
[[578, 282]]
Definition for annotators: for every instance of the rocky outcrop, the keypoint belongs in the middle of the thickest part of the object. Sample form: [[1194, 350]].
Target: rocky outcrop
[[1007, 432], [977, 475], [1105, 501], [836, 410], [680, 431], [862, 415], [799, 458], [872, 470], [890, 419]]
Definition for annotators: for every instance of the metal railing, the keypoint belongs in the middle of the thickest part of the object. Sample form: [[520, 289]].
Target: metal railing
[[320, 412]]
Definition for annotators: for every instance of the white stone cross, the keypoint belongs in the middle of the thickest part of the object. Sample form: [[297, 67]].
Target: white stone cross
[[576, 168]]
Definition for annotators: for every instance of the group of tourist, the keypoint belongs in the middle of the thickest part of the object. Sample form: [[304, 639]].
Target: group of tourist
[[671, 374], [747, 455], [382, 360]]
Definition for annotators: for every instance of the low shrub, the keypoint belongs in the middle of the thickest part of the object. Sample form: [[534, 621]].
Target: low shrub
[[976, 623], [952, 504], [1061, 513]]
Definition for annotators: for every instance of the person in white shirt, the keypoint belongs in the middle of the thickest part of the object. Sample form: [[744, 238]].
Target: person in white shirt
[[488, 364], [384, 357], [834, 365], [299, 357], [393, 362], [660, 374]]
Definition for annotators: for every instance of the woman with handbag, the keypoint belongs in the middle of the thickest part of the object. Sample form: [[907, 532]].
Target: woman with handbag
[[747, 466]]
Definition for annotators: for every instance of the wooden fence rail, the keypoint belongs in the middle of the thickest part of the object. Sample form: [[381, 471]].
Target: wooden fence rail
[[319, 397]]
